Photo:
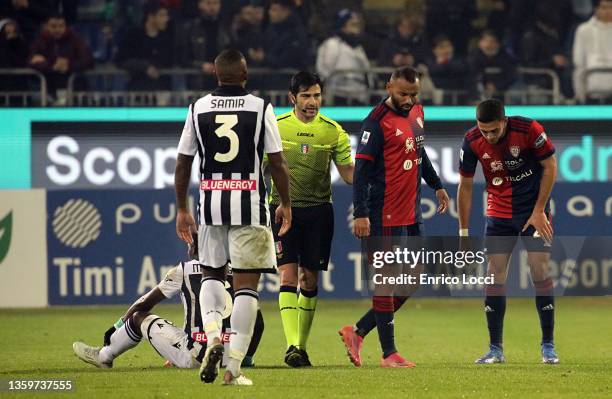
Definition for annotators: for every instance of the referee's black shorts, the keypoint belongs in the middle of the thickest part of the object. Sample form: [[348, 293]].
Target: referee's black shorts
[[308, 242]]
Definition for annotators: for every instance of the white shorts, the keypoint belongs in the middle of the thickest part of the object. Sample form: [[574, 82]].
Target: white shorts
[[249, 248], [171, 342]]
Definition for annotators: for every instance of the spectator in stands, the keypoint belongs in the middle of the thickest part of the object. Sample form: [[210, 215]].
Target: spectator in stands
[[344, 51], [452, 18], [284, 41], [493, 15], [13, 54], [447, 71], [521, 18], [13, 47], [406, 46], [542, 47], [203, 39], [146, 49], [593, 49], [246, 31], [29, 14], [58, 52], [104, 44], [492, 67]]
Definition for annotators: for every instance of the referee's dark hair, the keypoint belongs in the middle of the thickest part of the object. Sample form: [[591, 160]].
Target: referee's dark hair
[[409, 73], [303, 80], [490, 110]]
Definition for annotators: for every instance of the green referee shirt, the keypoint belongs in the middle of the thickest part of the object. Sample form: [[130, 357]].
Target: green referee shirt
[[309, 149]]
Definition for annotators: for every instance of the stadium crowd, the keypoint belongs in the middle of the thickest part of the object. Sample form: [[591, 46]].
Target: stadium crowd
[[468, 47]]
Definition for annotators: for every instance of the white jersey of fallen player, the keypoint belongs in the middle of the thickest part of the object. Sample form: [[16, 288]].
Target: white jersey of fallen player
[[185, 279], [230, 130]]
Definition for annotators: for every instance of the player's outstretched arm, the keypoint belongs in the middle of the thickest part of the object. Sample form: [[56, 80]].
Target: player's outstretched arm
[[280, 175], [144, 304], [464, 203], [185, 224]]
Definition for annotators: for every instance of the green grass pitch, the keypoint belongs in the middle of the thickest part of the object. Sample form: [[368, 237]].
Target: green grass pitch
[[443, 336]]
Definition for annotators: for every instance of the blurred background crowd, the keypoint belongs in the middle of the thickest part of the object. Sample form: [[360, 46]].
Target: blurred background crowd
[[544, 51]]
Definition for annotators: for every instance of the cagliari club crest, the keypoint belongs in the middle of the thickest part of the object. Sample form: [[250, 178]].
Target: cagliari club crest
[[409, 144], [515, 151]]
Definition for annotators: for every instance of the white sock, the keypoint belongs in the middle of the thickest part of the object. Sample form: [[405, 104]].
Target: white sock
[[212, 303], [242, 320], [123, 339]]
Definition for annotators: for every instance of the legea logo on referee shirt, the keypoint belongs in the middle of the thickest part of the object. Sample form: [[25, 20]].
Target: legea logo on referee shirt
[[244, 185]]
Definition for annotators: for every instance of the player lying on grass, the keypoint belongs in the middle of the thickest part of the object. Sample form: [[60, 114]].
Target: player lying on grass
[[183, 348]]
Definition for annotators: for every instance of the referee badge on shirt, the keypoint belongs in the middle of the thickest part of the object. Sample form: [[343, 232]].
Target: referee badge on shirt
[[305, 148]]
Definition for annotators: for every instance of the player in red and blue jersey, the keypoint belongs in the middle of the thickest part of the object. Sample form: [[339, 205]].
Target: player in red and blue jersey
[[520, 169], [390, 162]]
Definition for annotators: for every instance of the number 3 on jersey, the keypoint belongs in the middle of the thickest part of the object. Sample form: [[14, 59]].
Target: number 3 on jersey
[[227, 123]]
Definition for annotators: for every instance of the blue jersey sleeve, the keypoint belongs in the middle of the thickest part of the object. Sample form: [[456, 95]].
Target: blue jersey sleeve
[[371, 143], [467, 159], [429, 173], [369, 150]]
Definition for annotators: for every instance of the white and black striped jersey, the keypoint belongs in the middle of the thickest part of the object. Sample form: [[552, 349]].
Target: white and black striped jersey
[[186, 279], [230, 130]]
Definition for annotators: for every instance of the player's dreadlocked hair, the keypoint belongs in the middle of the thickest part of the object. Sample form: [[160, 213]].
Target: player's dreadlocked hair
[[490, 110], [410, 74]]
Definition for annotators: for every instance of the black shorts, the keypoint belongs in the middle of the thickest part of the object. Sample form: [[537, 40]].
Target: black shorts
[[308, 242], [502, 234]]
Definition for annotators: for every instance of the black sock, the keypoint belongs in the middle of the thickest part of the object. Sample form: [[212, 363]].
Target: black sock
[[495, 309], [383, 312], [368, 320], [545, 304], [366, 323], [257, 333], [398, 301]]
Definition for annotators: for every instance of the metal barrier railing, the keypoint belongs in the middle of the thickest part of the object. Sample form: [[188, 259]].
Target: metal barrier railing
[[41, 93], [371, 79], [600, 94], [535, 91], [108, 87]]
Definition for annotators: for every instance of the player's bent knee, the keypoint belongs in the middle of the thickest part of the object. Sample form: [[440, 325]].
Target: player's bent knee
[[171, 342], [138, 317], [145, 322]]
